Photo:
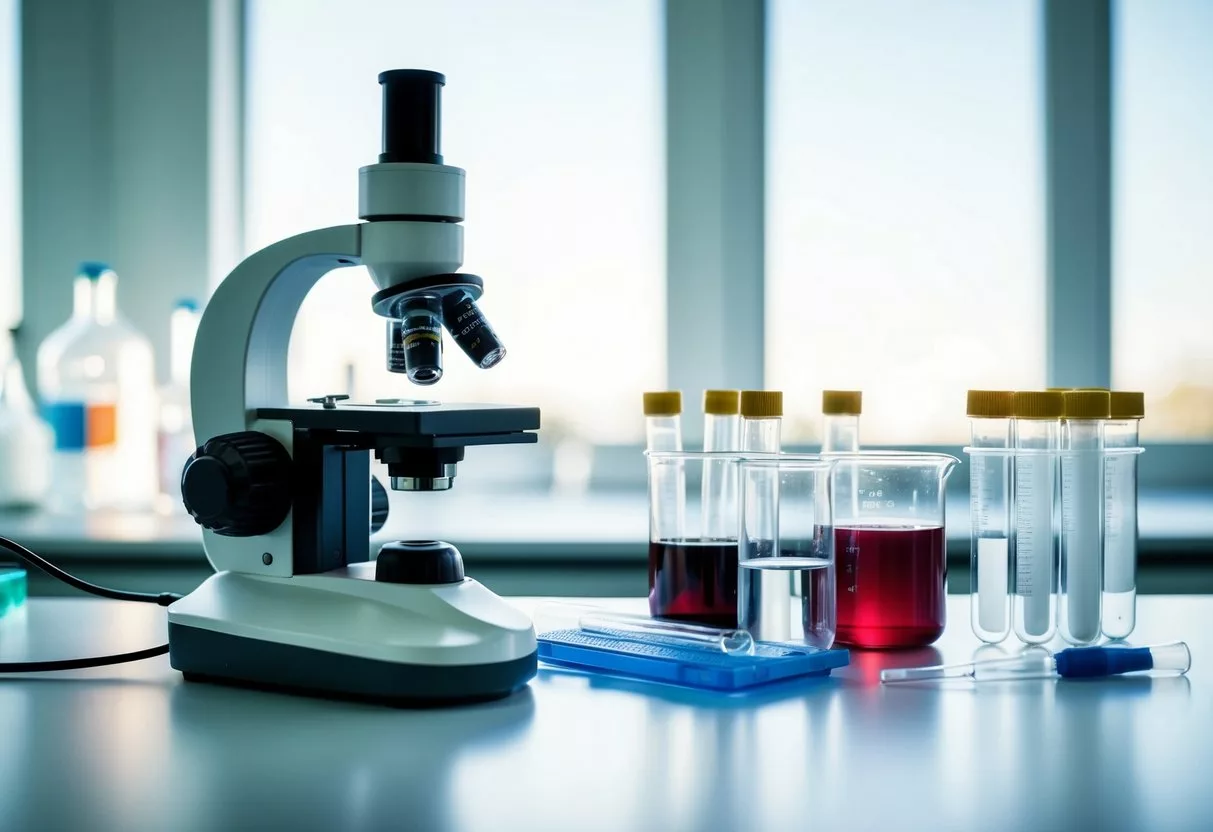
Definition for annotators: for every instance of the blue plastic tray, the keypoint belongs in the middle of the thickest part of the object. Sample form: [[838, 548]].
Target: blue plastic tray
[[659, 660]]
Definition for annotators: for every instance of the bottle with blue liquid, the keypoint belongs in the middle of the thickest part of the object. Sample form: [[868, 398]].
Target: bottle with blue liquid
[[96, 380]]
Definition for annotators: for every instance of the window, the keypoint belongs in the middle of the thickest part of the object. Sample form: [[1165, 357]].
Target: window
[[10, 167], [904, 209], [555, 110], [1163, 213]]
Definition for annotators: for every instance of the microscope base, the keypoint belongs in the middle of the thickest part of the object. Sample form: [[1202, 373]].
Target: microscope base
[[341, 634]]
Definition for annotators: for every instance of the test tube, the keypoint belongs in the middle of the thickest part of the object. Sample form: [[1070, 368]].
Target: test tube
[[761, 424], [840, 411], [761, 419], [663, 432], [990, 513], [640, 628], [721, 432], [1037, 436], [1120, 515], [1078, 613]]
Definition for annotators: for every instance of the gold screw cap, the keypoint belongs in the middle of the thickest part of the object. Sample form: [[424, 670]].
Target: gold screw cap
[[1127, 405], [722, 402], [842, 402], [991, 404], [761, 404], [665, 403], [1088, 404], [1039, 404]]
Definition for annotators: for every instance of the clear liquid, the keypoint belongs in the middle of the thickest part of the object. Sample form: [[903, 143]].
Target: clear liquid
[[787, 599]]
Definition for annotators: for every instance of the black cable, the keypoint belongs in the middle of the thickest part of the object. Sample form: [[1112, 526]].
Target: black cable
[[36, 560]]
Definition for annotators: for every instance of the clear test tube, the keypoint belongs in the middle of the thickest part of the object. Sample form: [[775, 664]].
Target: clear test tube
[[1037, 439], [989, 414], [1126, 410], [1078, 611], [663, 432], [840, 412], [721, 432], [761, 420], [761, 426]]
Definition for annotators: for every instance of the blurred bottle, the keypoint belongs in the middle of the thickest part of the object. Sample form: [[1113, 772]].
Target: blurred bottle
[[96, 378], [176, 424], [25, 440]]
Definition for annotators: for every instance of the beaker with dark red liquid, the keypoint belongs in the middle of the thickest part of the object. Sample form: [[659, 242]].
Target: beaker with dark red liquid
[[890, 548], [693, 524]]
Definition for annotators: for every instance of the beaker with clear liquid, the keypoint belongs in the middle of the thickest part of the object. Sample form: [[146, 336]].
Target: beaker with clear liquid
[[890, 547], [786, 584]]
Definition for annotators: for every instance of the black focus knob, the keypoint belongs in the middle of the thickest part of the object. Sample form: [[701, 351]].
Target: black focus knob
[[238, 484], [419, 562]]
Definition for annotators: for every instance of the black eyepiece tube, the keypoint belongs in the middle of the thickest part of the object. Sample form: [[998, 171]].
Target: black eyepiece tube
[[412, 116], [471, 330]]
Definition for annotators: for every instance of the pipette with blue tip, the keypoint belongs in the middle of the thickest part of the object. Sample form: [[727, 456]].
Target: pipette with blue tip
[[1071, 663]]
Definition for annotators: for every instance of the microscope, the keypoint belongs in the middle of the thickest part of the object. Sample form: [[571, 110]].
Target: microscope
[[284, 494]]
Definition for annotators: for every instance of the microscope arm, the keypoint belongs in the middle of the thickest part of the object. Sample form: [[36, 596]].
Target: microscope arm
[[240, 354]]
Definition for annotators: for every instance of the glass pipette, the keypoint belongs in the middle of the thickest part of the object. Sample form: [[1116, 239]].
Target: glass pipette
[[1071, 663], [599, 621]]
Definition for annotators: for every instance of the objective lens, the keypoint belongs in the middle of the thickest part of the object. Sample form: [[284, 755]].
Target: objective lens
[[414, 343], [471, 330]]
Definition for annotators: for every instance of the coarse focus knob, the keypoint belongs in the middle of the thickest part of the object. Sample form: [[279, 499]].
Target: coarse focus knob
[[238, 484]]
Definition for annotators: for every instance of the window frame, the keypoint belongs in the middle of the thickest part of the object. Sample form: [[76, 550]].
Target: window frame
[[715, 74]]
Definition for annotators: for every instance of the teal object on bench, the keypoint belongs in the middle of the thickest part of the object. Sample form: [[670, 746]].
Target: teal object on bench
[[12, 588]]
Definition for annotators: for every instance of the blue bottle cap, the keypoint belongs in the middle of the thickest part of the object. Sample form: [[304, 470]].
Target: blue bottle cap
[[93, 269], [186, 303]]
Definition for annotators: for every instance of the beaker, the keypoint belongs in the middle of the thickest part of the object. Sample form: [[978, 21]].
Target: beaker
[[693, 537], [890, 547], [786, 584]]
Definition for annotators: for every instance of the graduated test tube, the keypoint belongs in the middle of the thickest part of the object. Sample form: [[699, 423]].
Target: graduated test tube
[[990, 513], [1120, 514], [663, 432], [1037, 439], [721, 432], [1078, 613], [761, 423]]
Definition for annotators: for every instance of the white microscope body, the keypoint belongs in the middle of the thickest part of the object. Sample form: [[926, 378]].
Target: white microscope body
[[283, 494]]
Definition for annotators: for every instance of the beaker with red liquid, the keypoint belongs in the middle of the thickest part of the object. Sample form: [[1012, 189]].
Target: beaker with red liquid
[[693, 525], [890, 547]]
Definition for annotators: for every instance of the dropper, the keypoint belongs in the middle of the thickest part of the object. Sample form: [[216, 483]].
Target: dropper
[[1071, 663]]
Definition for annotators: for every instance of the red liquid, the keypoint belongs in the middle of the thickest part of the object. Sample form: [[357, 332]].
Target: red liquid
[[890, 585], [694, 580]]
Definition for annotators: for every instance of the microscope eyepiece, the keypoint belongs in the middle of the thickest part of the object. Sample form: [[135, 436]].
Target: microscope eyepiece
[[414, 342], [412, 116], [471, 330]]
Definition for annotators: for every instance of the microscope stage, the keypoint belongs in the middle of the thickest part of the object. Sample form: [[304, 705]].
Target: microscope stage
[[436, 420]]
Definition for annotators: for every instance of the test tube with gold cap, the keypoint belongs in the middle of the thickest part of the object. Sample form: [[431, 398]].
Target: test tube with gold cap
[[667, 482], [1126, 409], [1038, 436], [1080, 595], [840, 412], [990, 416], [761, 417], [721, 433]]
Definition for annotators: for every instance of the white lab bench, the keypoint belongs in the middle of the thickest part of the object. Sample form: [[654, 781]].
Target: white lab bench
[[135, 747]]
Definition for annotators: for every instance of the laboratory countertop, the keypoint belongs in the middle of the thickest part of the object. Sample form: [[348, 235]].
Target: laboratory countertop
[[524, 525], [135, 747]]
